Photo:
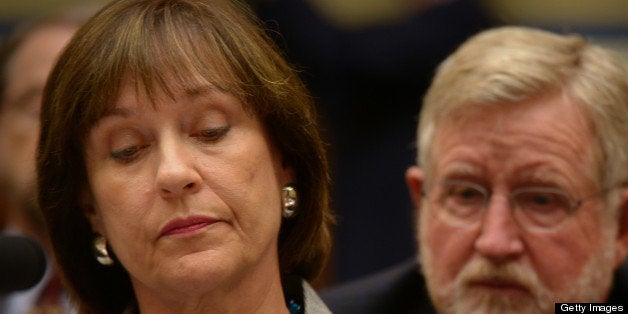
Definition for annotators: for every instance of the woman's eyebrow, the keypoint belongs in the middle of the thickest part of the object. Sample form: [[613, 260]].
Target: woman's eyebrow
[[201, 90], [115, 112]]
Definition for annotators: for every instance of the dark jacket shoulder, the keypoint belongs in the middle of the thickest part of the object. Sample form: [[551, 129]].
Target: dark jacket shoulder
[[399, 289], [619, 291]]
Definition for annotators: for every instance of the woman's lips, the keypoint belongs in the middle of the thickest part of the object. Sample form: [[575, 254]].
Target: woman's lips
[[186, 225]]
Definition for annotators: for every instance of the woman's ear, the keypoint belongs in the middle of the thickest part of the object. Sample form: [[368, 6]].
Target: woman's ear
[[286, 172], [86, 203], [621, 245], [415, 178]]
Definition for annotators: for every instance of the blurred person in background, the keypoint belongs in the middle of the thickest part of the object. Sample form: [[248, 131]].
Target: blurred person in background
[[521, 187], [27, 56], [180, 166], [368, 63]]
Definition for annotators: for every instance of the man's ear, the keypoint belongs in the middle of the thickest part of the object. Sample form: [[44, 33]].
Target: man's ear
[[415, 178], [85, 200], [621, 246]]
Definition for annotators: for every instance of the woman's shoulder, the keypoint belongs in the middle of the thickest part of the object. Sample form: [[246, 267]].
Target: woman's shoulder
[[312, 302]]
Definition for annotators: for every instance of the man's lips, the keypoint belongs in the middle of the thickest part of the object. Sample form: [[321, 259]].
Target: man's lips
[[186, 225], [500, 286]]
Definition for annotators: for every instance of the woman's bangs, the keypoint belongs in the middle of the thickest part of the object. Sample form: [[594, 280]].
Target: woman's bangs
[[179, 59]]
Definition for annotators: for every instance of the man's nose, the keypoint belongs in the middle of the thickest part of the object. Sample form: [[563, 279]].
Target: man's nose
[[500, 235]]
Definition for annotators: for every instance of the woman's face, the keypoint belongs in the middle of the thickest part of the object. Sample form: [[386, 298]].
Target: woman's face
[[186, 190]]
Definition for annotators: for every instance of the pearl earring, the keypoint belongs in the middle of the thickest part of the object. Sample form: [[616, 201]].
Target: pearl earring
[[289, 201], [101, 252]]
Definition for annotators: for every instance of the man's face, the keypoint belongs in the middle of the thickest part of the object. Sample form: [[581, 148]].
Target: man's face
[[500, 261], [19, 115]]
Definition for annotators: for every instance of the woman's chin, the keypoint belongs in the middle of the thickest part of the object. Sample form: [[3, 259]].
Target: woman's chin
[[194, 273]]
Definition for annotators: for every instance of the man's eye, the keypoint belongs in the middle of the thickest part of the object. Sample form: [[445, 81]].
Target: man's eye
[[465, 195], [540, 201], [212, 135], [468, 193]]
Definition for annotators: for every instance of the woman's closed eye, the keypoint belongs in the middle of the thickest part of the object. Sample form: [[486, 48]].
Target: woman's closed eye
[[212, 135], [127, 154], [128, 148]]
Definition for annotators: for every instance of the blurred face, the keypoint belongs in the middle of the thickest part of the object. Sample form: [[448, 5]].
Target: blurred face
[[502, 263], [19, 117], [187, 192]]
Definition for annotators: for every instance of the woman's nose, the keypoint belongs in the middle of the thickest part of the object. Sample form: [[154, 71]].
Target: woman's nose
[[500, 236], [176, 173]]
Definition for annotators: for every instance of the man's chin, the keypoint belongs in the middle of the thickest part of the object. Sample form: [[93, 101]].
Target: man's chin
[[486, 289], [490, 299]]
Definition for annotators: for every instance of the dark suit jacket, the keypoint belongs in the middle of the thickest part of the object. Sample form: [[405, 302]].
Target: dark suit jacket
[[401, 289]]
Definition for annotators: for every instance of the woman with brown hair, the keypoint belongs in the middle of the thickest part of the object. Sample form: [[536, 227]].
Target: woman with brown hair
[[180, 165]]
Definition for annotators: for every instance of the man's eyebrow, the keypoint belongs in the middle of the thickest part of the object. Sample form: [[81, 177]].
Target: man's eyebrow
[[459, 168]]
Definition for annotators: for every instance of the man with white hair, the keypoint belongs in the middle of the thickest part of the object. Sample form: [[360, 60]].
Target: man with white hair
[[521, 186]]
